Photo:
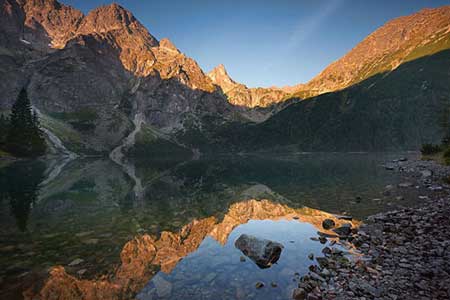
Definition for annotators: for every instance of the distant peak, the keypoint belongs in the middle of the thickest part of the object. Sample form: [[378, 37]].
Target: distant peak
[[219, 76], [220, 71]]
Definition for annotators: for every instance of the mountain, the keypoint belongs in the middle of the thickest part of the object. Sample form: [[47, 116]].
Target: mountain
[[398, 41], [94, 77], [396, 110], [103, 84], [241, 95]]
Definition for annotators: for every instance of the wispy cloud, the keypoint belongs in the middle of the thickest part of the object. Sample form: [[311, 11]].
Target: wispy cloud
[[306, 27]]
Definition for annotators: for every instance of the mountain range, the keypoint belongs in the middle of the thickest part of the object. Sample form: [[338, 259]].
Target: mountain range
[[103, 84]]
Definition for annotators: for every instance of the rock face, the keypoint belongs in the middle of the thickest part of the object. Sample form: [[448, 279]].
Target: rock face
[[90, 75], [263, 252], [398, 41]]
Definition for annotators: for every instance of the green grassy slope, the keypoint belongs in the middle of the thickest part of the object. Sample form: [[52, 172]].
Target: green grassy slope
[[391, 111]]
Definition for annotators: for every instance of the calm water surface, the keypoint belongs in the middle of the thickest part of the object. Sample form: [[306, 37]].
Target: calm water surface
[[171, 236]]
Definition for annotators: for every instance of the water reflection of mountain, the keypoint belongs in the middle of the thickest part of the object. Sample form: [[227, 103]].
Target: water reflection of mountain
[[144, 255], [329, 182], [89, 209]]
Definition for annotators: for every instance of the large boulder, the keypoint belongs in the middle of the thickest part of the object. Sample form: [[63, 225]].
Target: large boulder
[[263, 252]]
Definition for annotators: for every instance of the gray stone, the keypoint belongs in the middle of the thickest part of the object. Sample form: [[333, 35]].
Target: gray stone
[[262, 252], [426, 173]]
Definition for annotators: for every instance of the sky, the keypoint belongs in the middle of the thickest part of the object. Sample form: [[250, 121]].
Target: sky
[[265, 42]]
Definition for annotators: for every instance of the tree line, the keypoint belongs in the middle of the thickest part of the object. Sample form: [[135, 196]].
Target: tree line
[[20, 133]]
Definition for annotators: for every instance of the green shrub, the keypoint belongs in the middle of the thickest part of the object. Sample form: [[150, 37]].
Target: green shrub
[[428, 149], [447, 156]]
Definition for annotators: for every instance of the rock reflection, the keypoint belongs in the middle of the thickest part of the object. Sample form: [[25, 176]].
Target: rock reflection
[[144, 255]]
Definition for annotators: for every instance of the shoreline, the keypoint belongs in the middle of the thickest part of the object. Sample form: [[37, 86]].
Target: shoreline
[[401, 254]]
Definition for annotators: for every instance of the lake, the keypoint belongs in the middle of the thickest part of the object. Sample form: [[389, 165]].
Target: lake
[[166, 228]]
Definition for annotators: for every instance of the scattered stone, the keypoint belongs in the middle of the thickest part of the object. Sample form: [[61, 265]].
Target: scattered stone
[[299, 294], [401, 254], [81, 272], [327, 235], [311, 256], [83, 234], [343, 217], [323, 240], [273, 284], [405, 185], [343, 230], [426, 173], [242, 258], [76, 262], [91, 241], [259, 285]]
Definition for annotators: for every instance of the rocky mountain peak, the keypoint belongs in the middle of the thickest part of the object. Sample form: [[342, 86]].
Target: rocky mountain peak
[[49, 23], [114, 17], [219, 76]]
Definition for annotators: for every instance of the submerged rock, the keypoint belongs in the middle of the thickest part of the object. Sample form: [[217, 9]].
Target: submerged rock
[[76, 262], [263, 252], [299, 294], [343, 230], [328, 224], [163, 287], [405, 185]]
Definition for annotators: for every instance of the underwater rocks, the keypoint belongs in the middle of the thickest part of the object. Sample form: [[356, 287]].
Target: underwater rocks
[[401, 254], [328, 224], [262, 252]]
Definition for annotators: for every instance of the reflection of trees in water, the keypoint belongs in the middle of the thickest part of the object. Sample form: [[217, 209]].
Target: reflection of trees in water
[[20, 186]]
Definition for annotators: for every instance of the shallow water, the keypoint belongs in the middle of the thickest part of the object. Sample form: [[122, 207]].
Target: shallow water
[[181, 227]]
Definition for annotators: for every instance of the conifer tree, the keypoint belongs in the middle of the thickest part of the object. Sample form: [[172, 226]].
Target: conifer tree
[[25, 138]]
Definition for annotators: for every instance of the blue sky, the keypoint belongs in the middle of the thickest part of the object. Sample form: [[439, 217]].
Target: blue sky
[[265, 43]]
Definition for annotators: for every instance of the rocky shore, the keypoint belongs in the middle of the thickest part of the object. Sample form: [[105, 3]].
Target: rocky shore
[[401, 254]]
